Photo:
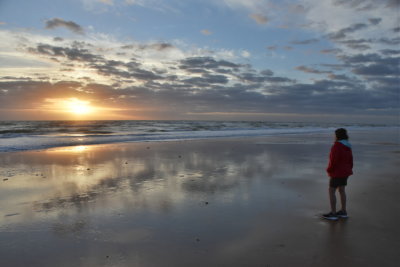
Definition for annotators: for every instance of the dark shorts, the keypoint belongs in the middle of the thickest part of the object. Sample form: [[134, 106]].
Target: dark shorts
[[336, 182]]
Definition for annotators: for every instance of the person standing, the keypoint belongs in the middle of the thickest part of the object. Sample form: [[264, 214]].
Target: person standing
[[340, 167]]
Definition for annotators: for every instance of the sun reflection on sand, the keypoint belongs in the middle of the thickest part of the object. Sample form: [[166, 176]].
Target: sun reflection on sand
[[73, 149]]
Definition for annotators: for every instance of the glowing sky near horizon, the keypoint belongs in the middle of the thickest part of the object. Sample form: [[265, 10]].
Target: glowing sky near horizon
[[329, 60]]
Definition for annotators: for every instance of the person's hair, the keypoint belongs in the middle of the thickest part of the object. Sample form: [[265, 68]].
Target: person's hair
[[341, 134]]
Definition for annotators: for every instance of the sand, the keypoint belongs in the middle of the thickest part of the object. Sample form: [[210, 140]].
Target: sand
[[222, 202]]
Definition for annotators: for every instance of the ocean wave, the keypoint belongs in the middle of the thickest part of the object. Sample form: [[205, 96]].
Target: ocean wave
[[29, 135]]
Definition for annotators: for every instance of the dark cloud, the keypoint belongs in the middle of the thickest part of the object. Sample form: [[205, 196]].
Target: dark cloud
[[393, 3], [366, 5], [390, 52], [363, 44], [267, 72], [252, 77], [278, 80], [377, 70], [12, 78], [373, 64], [206, 80], [332, 96], [311, 70], [375, 21], [206, 63], [339, 77], [70, 25], [304, 42], [153, 46], [359, 44], [390, 41], [330, 51], [342, 34], [161, 46], [368, 58], [124, 70], [264, 76], [105, 67], [75, 54]]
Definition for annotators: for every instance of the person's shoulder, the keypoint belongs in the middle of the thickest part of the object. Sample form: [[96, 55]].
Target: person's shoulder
[[336, 144]]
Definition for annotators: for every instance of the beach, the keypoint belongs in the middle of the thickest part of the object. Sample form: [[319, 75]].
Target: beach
[[248, 201]]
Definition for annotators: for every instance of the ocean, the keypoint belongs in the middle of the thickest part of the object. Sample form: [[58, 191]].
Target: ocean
[[33, 135]]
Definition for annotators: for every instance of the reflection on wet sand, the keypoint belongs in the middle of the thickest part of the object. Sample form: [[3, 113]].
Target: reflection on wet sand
[[243, 202], [74, 176]]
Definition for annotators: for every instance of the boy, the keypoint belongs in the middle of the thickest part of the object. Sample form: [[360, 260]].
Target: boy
[[340, 167]]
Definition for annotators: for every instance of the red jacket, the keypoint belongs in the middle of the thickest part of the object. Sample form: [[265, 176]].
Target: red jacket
[[340, 161]]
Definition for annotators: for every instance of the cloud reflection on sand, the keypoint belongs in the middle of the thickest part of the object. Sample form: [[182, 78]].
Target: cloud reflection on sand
[[102, 177]]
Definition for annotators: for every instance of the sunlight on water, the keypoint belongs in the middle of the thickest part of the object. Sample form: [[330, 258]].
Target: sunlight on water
[[72, 149]]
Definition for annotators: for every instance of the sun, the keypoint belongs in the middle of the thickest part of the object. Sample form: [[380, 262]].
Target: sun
[[78, 107]]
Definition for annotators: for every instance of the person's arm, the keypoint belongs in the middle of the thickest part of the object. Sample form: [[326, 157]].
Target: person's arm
[[351, 160], [333, 158]]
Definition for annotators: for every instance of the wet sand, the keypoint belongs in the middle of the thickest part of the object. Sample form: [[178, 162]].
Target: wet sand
[[223, 202]]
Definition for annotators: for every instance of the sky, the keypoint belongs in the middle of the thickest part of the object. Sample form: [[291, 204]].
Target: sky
[[270, 60]]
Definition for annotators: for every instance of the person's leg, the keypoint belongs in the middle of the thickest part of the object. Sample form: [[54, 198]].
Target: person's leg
[[332, 199], [342, 193]]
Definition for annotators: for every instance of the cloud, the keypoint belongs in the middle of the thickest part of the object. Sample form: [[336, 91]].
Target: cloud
[[356, 30], [70, 25], [377, 70], [330, 51], [245, 54], [375, 21], [388, 41], [146, 48], [342, 34], [311, 70], [339, 77], [155, 46], [206, 63], [107, 2], [139, 76], [359, 5], [304, 42], [69, 53], [206, 32], [259, 18], [360, 44], [390, 52], [206, 80]]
